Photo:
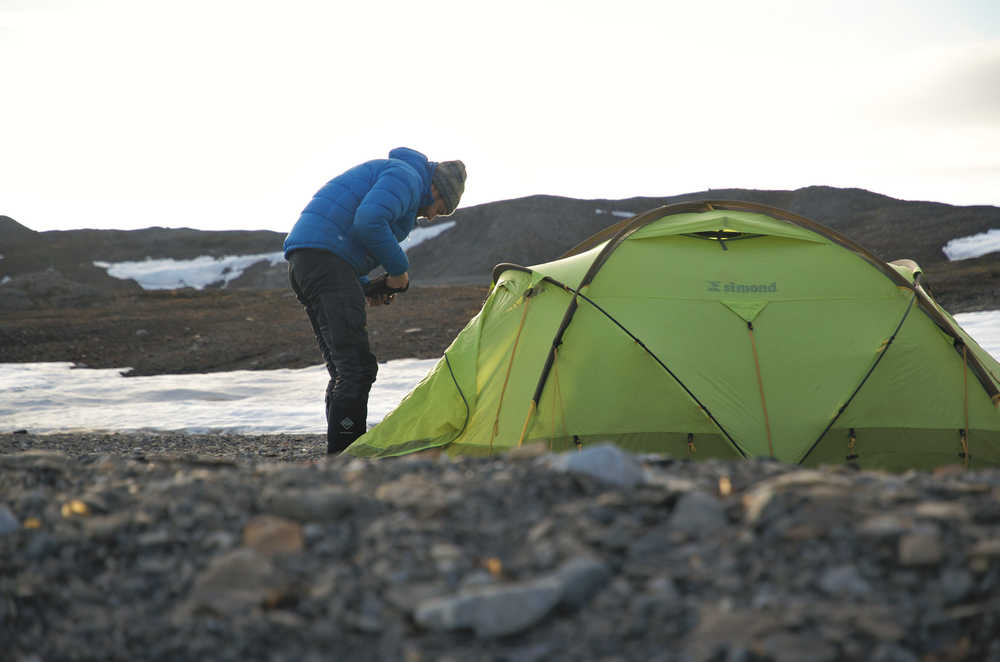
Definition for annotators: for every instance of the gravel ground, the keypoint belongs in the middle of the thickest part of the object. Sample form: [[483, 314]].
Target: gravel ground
[[168, 546]]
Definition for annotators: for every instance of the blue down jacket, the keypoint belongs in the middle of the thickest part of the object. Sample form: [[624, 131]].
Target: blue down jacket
[[363, 214]]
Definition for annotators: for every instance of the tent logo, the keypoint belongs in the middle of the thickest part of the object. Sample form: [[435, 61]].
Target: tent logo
[[741, 288]]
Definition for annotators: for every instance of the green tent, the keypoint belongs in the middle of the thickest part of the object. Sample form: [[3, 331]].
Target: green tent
[[712, 330]]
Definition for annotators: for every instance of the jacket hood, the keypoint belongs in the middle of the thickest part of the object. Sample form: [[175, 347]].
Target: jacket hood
[[423, 167]]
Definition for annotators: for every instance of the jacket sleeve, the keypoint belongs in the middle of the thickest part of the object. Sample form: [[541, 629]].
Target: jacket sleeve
[[389, 199]]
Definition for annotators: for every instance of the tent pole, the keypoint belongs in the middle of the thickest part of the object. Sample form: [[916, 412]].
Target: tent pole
[[965, 405], [527, 419]]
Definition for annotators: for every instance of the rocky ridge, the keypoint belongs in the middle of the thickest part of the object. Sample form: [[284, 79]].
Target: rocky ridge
[[523, 231], [164, 547]]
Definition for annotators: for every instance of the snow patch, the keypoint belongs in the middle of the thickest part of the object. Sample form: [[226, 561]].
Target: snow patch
[[421, 234], [168, 274], [55, 397], [984, 327], [619, 214], [976, 245]]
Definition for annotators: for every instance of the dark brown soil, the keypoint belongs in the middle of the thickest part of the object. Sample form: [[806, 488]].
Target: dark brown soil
[[187, 331]]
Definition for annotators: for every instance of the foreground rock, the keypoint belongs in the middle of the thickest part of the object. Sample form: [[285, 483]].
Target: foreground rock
[[165, 547]]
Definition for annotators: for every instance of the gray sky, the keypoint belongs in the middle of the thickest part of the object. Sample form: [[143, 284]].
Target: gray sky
[[229, 115]]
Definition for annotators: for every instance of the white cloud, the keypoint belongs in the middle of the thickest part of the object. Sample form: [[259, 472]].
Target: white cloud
[[952, 87]]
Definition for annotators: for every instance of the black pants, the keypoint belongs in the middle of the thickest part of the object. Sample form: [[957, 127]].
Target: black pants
[[329, 289]]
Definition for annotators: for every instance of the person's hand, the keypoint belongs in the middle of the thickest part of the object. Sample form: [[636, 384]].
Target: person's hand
[[400, 282], [381, 291]]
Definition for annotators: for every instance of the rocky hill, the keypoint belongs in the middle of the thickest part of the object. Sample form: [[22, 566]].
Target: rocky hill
[[57, 267], [523, 231]]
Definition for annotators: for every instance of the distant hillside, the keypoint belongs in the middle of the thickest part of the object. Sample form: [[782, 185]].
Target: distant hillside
[[538, 229], [12, 232], [64, 259], [72, 247]]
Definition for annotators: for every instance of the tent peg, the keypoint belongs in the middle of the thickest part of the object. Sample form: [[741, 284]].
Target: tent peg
[[852, 440]]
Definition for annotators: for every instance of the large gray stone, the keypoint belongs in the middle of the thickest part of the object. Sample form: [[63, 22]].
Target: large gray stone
[[234, 583], [607, 463], [317, 505], [648, 552], [580, 579], [492, 611], [698, 514], [954, 585], [844, 580], [8, 521]]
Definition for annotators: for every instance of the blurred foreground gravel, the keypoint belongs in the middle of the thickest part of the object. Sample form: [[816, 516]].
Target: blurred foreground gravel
[[172, 546]]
